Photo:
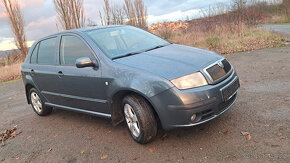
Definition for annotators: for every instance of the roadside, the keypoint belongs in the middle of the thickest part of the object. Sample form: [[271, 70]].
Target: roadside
[[283, 29], [10, 72], [224, 38]]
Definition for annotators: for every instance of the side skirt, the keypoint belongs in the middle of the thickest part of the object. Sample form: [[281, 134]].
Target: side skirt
[[79, 110]]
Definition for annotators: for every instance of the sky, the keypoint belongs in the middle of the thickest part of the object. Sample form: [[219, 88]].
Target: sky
[[40, 16]]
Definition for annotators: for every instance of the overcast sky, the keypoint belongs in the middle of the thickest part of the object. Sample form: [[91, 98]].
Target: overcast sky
[[40, 16]]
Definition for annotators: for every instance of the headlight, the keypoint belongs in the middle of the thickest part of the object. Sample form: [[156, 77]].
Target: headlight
[[190, 81]]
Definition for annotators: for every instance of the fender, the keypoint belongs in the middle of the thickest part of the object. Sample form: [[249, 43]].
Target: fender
[[145, 87]]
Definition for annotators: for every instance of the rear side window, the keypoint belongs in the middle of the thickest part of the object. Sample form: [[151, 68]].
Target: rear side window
[[34, 55], [71, 49], [46, 51]]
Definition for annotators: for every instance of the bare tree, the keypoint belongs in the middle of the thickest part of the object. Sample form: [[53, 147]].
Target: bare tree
[[130, 12], [70, 13], [286, 6], [91, 23], [136, 13], [133, 12], [107, 10], [118, 15], [140, 13], [238, 7], [17, 25], [102, 19]]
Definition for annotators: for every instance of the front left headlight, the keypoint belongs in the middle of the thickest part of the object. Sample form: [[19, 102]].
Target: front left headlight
[[190, 81]]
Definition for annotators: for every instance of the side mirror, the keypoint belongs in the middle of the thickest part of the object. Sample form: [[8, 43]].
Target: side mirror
[[85, 62]]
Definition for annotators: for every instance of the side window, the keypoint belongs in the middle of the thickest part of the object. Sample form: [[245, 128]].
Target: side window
[[33, 57], [46, 51], [71, 49]]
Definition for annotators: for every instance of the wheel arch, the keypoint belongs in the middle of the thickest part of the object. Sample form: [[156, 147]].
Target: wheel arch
[[116, 105], [27, 89]]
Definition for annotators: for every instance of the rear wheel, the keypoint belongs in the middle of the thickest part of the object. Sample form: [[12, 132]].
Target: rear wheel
[[37, 104], [139, 119]]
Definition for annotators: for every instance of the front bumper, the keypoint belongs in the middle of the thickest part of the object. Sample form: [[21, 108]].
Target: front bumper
[[175, 107]]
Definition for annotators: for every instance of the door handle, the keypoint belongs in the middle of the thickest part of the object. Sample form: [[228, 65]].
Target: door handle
[[60, 74]]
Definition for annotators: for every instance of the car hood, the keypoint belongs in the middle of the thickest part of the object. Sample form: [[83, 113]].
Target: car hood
[[171, 61]]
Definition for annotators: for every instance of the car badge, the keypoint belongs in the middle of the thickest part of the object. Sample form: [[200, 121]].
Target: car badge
[[221, 64]]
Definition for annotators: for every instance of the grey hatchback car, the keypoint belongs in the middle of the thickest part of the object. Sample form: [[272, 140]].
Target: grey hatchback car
[[128, 74]]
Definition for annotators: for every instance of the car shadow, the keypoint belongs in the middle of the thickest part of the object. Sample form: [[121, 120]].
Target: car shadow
[[194, 132]]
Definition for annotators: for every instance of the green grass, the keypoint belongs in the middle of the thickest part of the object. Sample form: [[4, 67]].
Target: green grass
[[10, 81], [213, 42], [279, 22], [285, 23]]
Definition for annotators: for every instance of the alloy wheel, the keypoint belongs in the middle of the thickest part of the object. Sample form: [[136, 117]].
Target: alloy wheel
[[132, 120], [36, 102]]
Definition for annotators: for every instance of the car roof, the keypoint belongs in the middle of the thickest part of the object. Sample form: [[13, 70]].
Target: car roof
[[80, 30]]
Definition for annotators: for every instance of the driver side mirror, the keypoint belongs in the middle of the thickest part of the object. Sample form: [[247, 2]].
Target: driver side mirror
[[85, 62]]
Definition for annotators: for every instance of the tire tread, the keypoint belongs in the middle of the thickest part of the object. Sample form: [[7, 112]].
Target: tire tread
[[148, 122]]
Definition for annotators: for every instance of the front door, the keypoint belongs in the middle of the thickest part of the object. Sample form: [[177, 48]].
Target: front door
[[80, 88]]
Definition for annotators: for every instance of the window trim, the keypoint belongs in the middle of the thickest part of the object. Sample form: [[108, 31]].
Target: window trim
[[36, 46], [55, 50], [83, 40]]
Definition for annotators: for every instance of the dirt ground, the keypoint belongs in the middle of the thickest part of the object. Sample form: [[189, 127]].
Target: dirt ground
[[262, 110]]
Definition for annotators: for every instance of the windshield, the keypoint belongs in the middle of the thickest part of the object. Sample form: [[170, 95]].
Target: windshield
[[117, 42]]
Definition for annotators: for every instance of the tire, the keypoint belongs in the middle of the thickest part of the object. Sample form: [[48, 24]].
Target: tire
[[39, 108], [144, 119]]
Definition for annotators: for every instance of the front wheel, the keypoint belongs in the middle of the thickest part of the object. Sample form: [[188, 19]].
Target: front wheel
[[139, 118]]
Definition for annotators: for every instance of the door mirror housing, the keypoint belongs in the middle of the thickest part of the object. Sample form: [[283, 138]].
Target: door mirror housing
[[85, 62]]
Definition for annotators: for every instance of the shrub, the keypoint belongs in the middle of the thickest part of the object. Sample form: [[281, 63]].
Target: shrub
[[165, 33], [213, 42]]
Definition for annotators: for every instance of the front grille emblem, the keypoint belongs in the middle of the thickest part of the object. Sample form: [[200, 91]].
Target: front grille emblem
[[220, 64]]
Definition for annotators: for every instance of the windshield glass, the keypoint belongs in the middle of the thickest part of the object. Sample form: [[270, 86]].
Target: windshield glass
[[122, 41]]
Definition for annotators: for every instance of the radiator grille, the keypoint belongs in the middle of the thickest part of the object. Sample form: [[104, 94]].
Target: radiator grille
[[219, 70]]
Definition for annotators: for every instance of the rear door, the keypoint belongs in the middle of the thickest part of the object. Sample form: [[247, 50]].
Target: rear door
[[81, 88], [44, 72]]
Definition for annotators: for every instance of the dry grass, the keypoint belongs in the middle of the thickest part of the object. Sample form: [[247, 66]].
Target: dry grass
[[10, 72], [228, 32], [226, 40], [277, 19], [222, 36]]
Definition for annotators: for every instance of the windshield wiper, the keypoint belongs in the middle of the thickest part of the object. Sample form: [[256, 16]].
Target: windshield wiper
[[128, 54], [156, 47], [138, 52]]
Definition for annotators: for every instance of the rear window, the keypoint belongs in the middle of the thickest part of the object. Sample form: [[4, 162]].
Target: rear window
[[46, 51]]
